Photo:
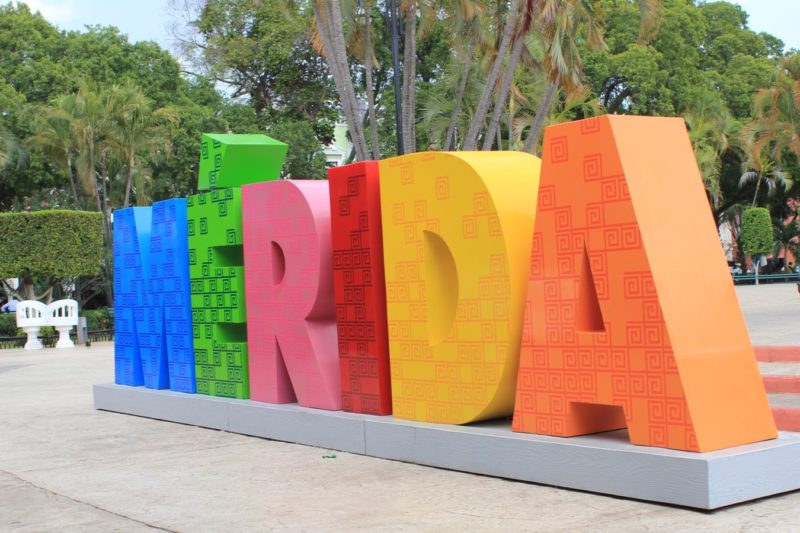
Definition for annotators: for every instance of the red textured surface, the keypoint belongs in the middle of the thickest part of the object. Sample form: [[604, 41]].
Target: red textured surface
[[359, 288], [786, 419], [291, 317], [778, 354], [782, 384]]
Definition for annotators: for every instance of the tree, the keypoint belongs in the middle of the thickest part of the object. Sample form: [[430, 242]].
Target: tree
[[764, 171], [138, 133], [482, 109], [49, 246], [757, 238], [563, 65], [53, 136], [8, 146], [330, 28], [787, 237], [711, 129]]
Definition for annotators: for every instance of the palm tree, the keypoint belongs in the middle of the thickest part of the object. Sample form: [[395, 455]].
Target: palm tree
[[482, 109], [330, 30], [8, 146], [763, 170], [711, 128], [138, 132], [468, 36], [369, 61], [563, 23], [53, 135], [776, 127]]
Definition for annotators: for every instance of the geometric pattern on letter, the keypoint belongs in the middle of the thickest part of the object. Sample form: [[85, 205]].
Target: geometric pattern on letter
[[219, 333], [457, 235], [169, 289], [621, 329], [131, 257], [359, 288], [231, 160], [291, 312]]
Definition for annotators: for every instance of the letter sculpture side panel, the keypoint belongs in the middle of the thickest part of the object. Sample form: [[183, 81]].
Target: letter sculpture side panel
[[131, 258], [170, 292], [360, 288], [621, 327], [456, 229], [217, 286], [291, 311]]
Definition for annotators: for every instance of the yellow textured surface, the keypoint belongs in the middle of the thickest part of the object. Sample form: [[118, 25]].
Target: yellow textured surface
[[457, 231]]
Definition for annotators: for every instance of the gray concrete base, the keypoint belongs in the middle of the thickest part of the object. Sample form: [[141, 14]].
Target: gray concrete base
[[605, 463]]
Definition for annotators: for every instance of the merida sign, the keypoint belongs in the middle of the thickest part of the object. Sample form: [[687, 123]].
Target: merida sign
[[451, 288]]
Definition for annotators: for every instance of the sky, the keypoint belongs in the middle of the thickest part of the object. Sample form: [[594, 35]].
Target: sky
[[150, 19]]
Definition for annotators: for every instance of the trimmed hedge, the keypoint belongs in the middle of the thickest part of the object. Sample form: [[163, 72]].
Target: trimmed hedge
[[52, 243], [757, 235]]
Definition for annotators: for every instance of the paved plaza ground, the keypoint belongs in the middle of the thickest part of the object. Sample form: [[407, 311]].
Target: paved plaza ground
[[65, 466]]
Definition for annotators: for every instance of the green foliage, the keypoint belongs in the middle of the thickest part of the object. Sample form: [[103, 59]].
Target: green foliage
[[57, 244], [757, 237], [8, 324], [305, 159], [97, 319]]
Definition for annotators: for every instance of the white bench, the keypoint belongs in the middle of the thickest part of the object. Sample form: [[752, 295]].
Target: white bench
[[62, 315], [33, 315]]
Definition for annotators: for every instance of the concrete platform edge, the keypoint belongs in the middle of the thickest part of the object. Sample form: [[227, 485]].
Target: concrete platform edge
[[605, 463]]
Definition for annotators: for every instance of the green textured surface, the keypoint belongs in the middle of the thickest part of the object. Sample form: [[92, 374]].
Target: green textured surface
[[228, 160], [217, 284]]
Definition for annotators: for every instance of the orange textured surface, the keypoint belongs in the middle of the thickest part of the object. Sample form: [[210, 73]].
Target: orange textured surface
[[631, 317]]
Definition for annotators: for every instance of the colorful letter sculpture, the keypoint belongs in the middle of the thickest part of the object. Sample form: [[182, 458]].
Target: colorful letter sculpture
[[632, 318], [169, 290], [360, 289], [456, 234], [232, 160], [131, 254], [153, 344], [217, 284], [292, 317]]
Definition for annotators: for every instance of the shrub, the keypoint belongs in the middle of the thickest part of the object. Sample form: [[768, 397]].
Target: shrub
[[52, 244], [757, 236], [97, 319], [8, 325]]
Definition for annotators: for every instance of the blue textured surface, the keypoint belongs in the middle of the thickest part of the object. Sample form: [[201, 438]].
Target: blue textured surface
[[169, 289], [131, 260], [153, 335]]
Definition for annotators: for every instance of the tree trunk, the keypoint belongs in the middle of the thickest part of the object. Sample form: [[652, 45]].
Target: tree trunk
[[71, 177], [337, 38], [329, 24], [128, 182], [541, 114], [462, 87], [755, 196], [505, 88], [756, 264], [373, 121], [471, 140], [409, 78]]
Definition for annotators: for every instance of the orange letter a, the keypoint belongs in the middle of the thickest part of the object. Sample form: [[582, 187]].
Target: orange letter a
[[632, 319]]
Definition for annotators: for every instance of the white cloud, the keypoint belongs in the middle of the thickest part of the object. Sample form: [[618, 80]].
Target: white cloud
[[56, 11]]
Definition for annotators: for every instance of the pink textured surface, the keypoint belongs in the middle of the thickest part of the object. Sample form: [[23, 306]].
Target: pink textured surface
[[291, 315]]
